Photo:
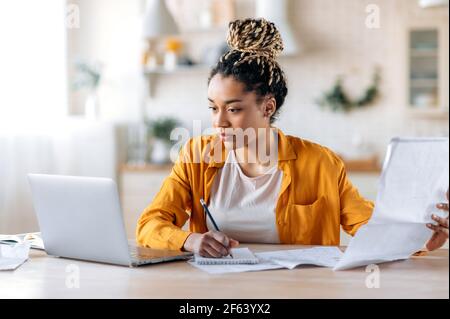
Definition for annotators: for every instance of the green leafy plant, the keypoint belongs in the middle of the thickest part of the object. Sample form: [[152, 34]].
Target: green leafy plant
[[87, 75], [161, 128], [338, 100]]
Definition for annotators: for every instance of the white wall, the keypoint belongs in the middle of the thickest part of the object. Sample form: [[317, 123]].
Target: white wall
[[110, 32]]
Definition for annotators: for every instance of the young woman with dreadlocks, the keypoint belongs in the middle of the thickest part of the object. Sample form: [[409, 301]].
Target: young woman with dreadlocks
[[297, 193]]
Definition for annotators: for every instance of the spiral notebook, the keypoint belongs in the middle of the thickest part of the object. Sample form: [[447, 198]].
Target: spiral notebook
[[237, 256]]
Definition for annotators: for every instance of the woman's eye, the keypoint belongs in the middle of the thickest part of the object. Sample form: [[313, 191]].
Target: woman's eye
[[213, 108], [234, 110]]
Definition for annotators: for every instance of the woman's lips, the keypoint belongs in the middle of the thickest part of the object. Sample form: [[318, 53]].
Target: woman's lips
[[224, 136]]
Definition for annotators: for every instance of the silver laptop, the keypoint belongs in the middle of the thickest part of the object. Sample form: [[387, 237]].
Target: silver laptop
[[81, 218]]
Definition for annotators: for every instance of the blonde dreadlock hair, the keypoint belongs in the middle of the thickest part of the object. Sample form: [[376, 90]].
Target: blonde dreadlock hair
[[255, 45]]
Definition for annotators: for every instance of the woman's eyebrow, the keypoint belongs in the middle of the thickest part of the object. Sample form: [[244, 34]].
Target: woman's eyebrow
[[227, 102]]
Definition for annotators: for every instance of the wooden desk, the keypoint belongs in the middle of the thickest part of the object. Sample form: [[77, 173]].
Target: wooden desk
[[45, 277]]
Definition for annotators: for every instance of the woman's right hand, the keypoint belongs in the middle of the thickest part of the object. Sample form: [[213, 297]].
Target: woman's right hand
[[211, 244]]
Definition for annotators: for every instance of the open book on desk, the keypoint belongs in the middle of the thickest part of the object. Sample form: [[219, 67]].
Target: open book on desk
[[34, 239]]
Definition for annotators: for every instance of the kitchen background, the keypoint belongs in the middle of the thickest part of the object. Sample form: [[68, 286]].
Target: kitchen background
[[95, 86]]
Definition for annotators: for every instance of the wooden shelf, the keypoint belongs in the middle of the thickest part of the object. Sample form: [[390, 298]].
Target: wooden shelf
[[366, 165], [435, 113]]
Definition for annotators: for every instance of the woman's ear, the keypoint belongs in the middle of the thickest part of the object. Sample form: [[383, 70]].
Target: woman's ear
[[270, 107]]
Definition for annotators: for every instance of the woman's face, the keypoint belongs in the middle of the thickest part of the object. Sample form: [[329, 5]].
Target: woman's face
[[232, 108]]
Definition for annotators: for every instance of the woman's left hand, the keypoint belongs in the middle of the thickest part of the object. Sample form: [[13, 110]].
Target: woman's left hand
[[440, 234]]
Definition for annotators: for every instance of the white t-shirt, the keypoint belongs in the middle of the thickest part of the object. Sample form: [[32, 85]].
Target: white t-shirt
[[244, 207]]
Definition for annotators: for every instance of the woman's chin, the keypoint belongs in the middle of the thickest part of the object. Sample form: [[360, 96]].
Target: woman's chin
[[229, 144]]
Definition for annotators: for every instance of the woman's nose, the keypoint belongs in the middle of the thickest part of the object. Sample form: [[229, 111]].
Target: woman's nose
[[220, 120]]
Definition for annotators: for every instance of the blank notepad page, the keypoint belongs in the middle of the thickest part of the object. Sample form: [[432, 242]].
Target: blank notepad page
[[238, 256]]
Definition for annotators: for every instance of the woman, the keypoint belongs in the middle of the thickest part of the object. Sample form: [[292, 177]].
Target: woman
[[298, 194]]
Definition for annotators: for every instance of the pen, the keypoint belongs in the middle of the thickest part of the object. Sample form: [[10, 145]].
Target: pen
[[230, 254], [208, 213]]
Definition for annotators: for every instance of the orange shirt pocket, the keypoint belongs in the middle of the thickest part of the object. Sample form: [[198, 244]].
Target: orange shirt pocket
[[305, 222]]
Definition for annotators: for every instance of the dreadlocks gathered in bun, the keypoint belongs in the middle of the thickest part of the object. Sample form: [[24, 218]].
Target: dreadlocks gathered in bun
[[255, 45]]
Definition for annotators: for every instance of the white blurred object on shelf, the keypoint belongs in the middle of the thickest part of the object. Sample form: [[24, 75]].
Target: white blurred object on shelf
[[433, 3], [92, 108], [170, 61], [205, 15], [158, 20], [277, 12]]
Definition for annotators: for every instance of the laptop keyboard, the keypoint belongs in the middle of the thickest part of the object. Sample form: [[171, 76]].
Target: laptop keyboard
[[140, 253]]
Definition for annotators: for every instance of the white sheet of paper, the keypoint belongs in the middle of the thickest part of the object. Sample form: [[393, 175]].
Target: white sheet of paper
[[223, 269], [12, 257], [377, 243], [414, 180], [319, 256]]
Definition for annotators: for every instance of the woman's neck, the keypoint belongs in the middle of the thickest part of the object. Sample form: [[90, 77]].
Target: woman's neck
[[261, 153]]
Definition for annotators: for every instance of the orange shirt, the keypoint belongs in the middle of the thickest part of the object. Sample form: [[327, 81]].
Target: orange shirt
[[315, 199]]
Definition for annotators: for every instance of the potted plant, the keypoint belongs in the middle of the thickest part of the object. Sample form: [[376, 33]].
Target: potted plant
[[88, 76], [159, 137]]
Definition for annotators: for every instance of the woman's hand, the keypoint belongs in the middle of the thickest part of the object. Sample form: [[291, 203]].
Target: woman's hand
[[440, 235], [210, 244]]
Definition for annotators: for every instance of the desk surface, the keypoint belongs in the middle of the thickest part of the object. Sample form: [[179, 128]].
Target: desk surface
[[46, 277]]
